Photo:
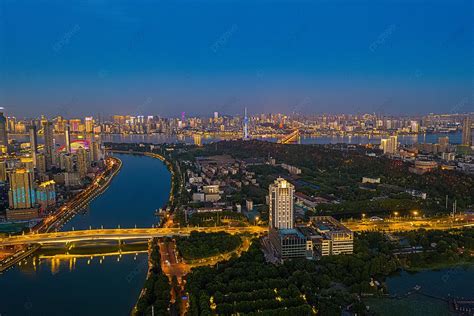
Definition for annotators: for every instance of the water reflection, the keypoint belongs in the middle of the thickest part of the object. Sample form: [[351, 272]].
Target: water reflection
[[199, 139], [59, 257]]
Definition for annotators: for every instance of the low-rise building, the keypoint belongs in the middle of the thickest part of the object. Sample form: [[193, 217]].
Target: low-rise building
[[288, 243], [335, 238]]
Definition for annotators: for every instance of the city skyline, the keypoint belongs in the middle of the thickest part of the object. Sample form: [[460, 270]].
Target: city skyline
[[241, 157], [165, 58]]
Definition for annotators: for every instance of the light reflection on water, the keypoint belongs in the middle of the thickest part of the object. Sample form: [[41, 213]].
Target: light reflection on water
[[101, 285], [454, 138]]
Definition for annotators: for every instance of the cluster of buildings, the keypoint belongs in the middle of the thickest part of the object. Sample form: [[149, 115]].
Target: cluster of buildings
[[215, 177], [427, 157], [35, 177], [259, 125], [322, 236]]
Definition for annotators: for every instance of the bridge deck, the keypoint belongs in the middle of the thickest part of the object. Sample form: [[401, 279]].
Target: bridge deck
[[120, 234]]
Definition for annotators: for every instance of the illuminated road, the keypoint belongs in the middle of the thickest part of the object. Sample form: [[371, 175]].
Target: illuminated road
[[120, 234], [398, 224], [100, 184]]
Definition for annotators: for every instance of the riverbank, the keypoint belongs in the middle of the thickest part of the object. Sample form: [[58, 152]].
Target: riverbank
[[109, 282], [68, 210]]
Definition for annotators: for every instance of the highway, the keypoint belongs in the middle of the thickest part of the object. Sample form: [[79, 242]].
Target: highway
[[120, 234], [148, 233], [406, 224]]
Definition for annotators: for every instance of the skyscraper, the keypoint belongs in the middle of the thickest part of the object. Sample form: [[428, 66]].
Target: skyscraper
[[22, 193], [46, 195], [48, 143], [3, 131], [67, 134], [281, 204], [3, 171], [33, 143], [82, 162], [467, 132], [389, 145], [89, 122]]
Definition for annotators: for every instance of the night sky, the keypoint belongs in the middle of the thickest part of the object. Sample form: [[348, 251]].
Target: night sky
[[164, 57]]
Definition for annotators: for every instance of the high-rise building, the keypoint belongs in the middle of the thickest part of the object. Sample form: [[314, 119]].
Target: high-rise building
[[33, 143], [3, 171], [67, 134], [41, 163], [197, 139], [22, 193], [48, 143], [389, 145], [281, 204], [3, 131], [75, 125], [82, 162], [96, 150], [89, 122], [467, 132], [46, 195]]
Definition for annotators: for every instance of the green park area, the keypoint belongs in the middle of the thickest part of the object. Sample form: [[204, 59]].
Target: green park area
[[202, 245]]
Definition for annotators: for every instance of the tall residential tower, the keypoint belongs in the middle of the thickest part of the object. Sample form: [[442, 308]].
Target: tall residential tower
[[467, 132], [3, 131], [281, 204]]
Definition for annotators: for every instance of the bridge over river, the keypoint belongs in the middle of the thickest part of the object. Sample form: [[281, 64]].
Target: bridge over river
[[120, 234]]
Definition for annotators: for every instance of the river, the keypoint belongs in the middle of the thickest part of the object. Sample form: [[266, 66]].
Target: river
[[454, 138], [107, 285]]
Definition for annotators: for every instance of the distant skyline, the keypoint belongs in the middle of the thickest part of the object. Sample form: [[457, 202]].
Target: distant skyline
[[165, 57]]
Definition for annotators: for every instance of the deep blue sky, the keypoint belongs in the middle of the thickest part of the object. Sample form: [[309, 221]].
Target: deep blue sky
[[167, 56]]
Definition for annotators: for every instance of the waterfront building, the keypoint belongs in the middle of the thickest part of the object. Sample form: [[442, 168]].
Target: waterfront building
[[21, 194], [60, 124], [389, 145], [75, 125], [96, 151], [467, 132], [48, 143], [3, 132], [89, 122], [46, 195], [281, 204], [197, 140]]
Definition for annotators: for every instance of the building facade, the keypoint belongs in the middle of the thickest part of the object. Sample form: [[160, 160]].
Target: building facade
[[21, 194], [467, 132], [281, 204]]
